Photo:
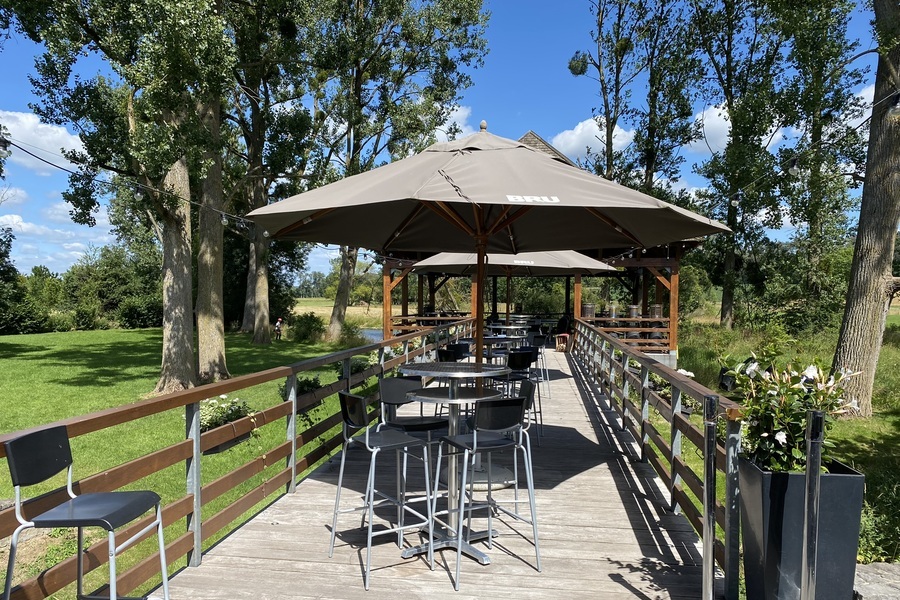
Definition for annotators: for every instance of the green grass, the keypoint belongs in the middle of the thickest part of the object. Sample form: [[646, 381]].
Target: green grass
[[48, 377]]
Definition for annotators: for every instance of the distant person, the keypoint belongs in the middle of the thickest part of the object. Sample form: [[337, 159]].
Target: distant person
[[278, 325], [563, 325]]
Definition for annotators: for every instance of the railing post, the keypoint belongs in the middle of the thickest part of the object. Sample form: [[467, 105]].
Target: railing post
[[710, 415], [645, 411], [815, 430], [291, 386], [348, 368], [626, 389], [194, 482], [675, 437], [732, 510]]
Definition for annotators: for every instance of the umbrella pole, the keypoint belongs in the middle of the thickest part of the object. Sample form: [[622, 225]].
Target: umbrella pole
[[481, 250], [508, 295]]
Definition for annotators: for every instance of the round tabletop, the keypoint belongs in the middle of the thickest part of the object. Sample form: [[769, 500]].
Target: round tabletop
[[453, 370], [441, 395]]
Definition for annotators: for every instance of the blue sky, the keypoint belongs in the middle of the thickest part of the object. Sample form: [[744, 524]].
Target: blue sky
[[524, 85]]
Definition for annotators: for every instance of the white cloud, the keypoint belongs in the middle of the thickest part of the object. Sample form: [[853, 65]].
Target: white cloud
[[21, 227], [715, 127], [58, 212], [25, 129], [574, 142], [460, 116], [12, 196]]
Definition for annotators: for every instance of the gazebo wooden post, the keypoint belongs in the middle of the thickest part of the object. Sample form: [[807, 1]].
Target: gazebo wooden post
[[645, 292], [673, 309], [420, 296], [431, 291], [387, 331], [566, 310], [508, 296], [578, 296], [404, 296]]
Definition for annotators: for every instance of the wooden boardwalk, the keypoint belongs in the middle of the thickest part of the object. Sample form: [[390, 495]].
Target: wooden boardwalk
[[604, 530]]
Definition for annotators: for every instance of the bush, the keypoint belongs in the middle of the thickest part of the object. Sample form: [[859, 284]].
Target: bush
[[358, 364], [139, 312], [694, 287], [85, 317], [352, 336], [307, 328], [61, 321]]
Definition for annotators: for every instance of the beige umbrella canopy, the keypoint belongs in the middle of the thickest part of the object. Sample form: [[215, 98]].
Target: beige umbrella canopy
[[524, 264], [482, 192], [483, 187]]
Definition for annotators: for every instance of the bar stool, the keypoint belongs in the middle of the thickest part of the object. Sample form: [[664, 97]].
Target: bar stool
[[355, 416], [497, 425]]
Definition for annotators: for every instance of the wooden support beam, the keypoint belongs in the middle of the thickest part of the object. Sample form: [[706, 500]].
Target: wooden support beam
[[660, 277], [673, 311], [420, 297], [386, 329], [578, 296]]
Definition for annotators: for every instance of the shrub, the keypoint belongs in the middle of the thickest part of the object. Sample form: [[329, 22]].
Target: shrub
[[138, 312], [215, 412], [85, 317], [352, 336], [307, 328], [358, 364]]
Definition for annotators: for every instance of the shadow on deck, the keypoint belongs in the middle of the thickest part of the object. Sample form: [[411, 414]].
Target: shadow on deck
[[605, 530]]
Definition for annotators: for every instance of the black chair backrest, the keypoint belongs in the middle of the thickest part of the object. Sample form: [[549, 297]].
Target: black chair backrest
[[539, 340], [446, 355], [526, 390], [353, 410], [499, 415], [38, 456], [518, 360], [535, 351], [393, 389], [460, 350]]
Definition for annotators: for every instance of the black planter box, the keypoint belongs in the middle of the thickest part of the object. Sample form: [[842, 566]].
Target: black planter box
[[772, 519]]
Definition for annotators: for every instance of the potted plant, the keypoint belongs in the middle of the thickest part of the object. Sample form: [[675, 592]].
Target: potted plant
[[776, 400], [215, 412]]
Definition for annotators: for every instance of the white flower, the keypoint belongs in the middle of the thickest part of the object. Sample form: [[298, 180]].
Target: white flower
[[685, 372], [781, 437], [811, 372], [752, 369], [223, 396]]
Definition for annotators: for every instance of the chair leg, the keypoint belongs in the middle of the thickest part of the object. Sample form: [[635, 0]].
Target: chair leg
[[337, 499], [13, 544], [370, 505], [79, 562], [112, 564], [459, 520], [163, 563], [529, 473], [428, 506]]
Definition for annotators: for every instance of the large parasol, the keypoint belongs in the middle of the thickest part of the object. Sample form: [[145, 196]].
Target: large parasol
[[483, 193]]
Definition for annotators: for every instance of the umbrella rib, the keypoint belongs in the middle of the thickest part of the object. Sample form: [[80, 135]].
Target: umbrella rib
[[442, 209], [506, 220], [614, 225], [304, 221], [403, 225]]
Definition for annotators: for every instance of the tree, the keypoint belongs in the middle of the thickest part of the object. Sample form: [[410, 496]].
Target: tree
[[615, 66], [144, 128], [818, 102], [871, 285], [743, 54], [387, 78]]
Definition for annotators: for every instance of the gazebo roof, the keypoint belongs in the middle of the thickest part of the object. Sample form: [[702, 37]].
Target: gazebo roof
[[538, 143]]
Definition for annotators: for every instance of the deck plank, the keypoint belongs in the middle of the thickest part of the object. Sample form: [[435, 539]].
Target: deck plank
[[605, 531]]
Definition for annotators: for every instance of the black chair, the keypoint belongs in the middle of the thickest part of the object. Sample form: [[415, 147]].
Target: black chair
[[355, 416], [392, 391], [36, 457], [497, 425], [462, 350]]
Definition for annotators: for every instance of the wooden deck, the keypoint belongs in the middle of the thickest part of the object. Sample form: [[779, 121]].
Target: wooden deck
[[603, 525]]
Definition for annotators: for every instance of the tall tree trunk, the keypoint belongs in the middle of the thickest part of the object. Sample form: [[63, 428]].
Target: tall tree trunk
[[261, 326], [210, 307], [869, 293], [342, 297], [250, 296], [177, 371]]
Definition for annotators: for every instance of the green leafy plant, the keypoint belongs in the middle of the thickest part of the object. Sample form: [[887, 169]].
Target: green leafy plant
[[215, 412], [776, 399]]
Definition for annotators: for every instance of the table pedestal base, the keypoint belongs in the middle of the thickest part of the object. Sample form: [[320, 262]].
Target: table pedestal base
[[446, 538]]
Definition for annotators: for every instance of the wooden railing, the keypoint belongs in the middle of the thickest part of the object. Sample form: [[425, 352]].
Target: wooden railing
[[647, 334], [270, 471], [661, 430]]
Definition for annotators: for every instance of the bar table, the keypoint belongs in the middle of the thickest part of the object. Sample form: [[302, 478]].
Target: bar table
[[453, 396]]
